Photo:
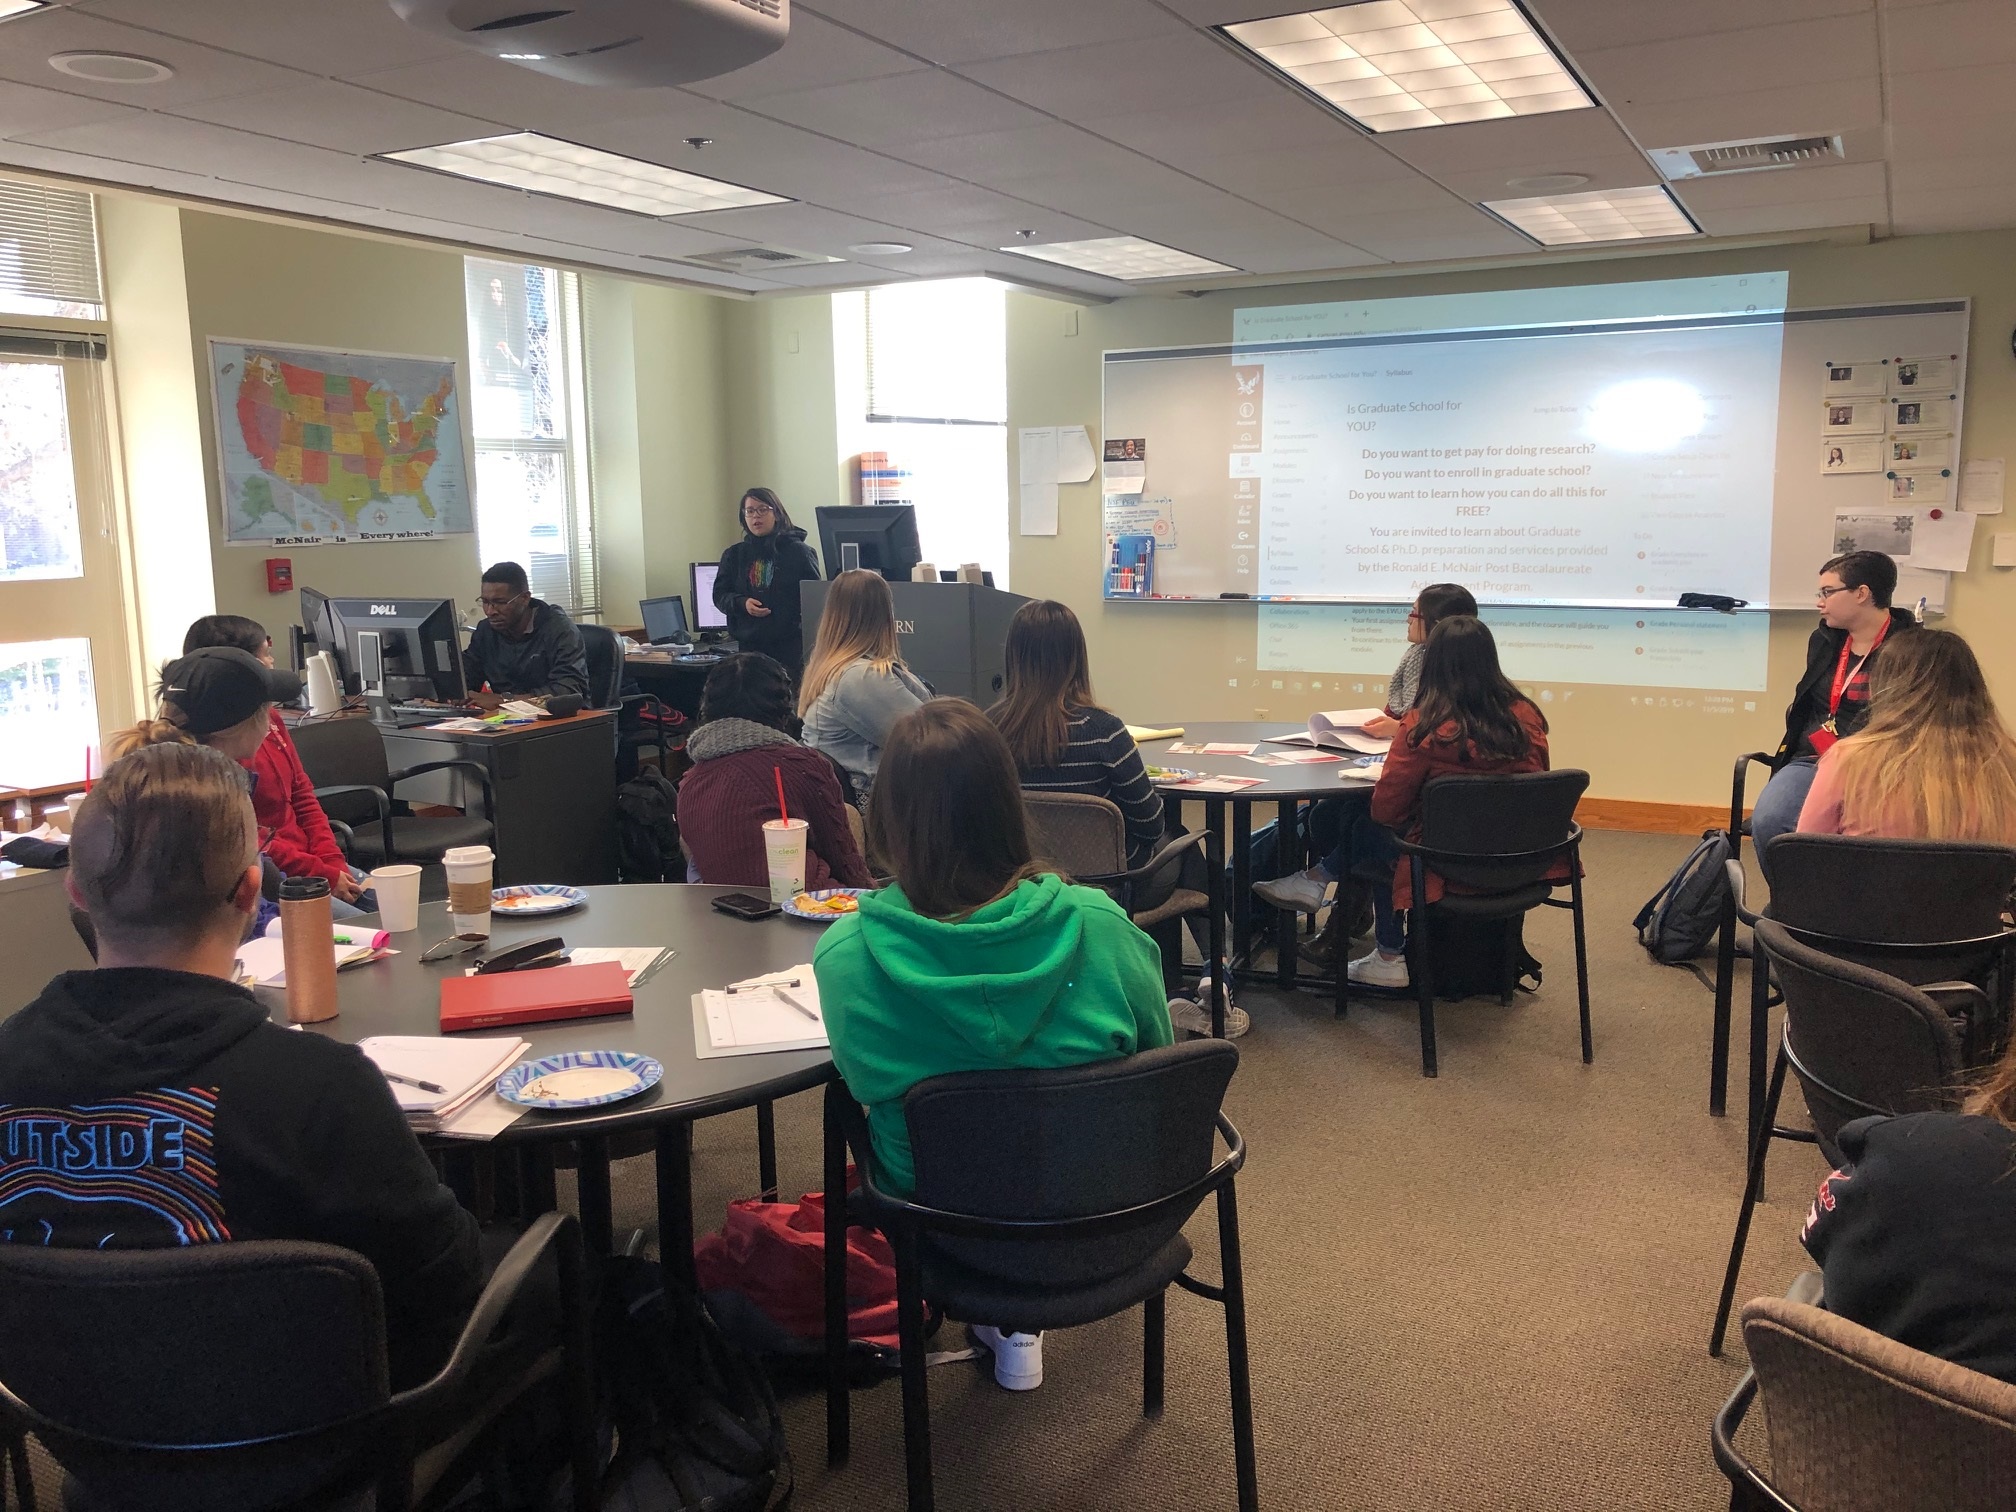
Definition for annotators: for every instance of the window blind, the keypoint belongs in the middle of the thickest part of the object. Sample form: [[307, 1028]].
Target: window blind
[[937, 353], [49, 251]]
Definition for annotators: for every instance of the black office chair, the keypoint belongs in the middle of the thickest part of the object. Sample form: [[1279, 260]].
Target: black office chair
[[642, 719], [1086, 837], [345, 759], [1861, 1042], [1921, 910], [1047, 1199], [1495, 837], [254, 1374]]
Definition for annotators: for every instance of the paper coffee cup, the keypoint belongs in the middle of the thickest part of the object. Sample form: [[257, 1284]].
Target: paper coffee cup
[[469, 870], [398, 889], [59, 817], [784, 849]]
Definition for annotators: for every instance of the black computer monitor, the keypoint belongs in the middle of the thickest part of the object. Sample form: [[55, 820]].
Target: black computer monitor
[[664, 620], [705, 615], [884, 535], [317, 634], [418, 640]]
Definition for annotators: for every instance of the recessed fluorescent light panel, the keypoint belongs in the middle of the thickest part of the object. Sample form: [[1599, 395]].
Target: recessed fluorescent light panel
[[1393, 65], [544, 165], [1127, 257], [1605, 215], [17, 7]]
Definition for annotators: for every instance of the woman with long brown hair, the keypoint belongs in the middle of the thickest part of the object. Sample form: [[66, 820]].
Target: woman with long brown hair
[[855, 685], [977, 958], [1934, 762]]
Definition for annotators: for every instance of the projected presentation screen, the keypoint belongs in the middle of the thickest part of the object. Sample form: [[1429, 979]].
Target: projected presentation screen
[[1589, 447]]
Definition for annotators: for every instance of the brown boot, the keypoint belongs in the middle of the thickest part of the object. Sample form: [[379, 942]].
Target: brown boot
[[1349, 917]]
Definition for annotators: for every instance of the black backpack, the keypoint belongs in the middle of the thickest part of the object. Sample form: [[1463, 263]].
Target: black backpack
[[696, 1422], [1681, 920], [647, 829], [1480, 957]]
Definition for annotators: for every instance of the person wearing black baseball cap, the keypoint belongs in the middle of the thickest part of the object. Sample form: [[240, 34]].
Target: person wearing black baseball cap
[[218, 697]]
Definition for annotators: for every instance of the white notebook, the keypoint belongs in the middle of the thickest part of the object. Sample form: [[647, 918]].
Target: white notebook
[[463, 1067], [779, 1011]]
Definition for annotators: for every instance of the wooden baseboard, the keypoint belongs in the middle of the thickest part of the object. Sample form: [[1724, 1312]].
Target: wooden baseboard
[[1649, 818]]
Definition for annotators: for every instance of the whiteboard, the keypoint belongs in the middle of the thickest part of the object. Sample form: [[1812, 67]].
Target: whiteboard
[[1189, 501]]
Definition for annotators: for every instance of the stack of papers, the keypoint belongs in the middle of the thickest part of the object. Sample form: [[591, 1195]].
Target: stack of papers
[[264, 961], [1342, 729], [466, 1071], [779, 1011]]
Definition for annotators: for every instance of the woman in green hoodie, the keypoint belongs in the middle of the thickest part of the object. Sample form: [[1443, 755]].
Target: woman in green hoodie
[[977, 959]]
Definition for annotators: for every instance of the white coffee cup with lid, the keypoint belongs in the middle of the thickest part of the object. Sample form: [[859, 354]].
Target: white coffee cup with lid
[[470, 869]]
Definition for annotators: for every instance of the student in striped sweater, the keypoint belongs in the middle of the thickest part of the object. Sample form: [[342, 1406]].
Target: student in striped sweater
[[1063, 742]]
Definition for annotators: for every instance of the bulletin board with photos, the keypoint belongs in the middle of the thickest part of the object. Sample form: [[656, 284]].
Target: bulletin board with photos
[[1888, 391]]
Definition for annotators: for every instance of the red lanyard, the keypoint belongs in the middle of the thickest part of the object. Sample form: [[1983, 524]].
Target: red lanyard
[[1843, 674]]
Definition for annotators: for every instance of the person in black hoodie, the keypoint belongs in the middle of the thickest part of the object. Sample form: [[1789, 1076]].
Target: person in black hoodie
[[1832, 700], [151, 1102], [1916, 1233], [756, 586]]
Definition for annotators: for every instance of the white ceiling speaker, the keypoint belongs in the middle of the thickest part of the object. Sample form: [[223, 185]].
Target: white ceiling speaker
[[625, 44]]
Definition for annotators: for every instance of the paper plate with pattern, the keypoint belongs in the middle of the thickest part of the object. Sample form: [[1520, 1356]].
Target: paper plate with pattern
[[806, 904], [579, 1079], [529, 901]]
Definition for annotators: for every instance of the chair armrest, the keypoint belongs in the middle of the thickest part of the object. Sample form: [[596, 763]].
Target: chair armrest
[[1961, 1000], [346, 837], [1168, 856], [1732, 870], [555, 1233], [655, 726], [1722, 1438], [1456, 858], [1738, 781], [379, 797], [476, 768]]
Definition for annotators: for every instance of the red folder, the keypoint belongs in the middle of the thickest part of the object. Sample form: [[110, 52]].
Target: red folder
[[534, 997]]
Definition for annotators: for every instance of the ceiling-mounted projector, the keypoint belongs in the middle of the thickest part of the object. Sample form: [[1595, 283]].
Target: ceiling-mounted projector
[[629, 44]]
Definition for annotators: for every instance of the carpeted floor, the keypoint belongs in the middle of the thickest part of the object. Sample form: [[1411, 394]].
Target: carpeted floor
[[1490, 1290]]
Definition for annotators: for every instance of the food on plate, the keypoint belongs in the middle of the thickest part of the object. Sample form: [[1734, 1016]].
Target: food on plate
[[839, 903]]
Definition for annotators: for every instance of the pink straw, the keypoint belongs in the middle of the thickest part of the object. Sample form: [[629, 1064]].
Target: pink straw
[[87, 769], [782, 811]]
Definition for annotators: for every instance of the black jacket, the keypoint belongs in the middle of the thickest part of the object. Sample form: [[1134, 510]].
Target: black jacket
[[1823, 655], [1916, 1235], [141, 1107], [552, 659], [791, 562]]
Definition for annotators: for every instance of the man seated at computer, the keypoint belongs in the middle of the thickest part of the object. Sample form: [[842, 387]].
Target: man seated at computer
[[525, 647]]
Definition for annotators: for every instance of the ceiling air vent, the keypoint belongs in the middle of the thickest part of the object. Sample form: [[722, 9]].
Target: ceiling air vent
[[1745, 157], [752, 260]]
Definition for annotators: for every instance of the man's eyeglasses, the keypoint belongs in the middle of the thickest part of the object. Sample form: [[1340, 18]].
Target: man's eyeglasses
[[488, 605], [1827, 593]]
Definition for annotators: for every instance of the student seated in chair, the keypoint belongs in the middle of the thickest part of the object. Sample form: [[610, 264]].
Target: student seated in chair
[[153, 1102], [525, 647], [1467, 720], [294, 833], [1934, 762], [1063, 742], [741, 750], [976, 959], [1916, 1232], [855, 684], [1832, 700]]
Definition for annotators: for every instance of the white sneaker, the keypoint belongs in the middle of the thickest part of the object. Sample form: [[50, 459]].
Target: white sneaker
[[1195, 1017], [1301, 892], [1374, 970], [1018, 1357]]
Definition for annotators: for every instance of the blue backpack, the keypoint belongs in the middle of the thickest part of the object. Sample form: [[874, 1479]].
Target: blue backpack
[[1680, 921]]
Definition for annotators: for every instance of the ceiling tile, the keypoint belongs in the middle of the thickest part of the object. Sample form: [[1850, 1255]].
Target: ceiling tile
[[966, 33], [201, 73], [1588, 25], [1797, 110], [328, 113], [1796, 215], [1935, 37], [1613, 171], [1456, 230], [25, 109], [1005, 159], [1329, 209], [1116, 78], [761, 153], [1552, 143], [1953, 171], [911, 107], [333, 37], [1281, 121], [1982, 208], [817, 54], [473, 85], [808, 228], [1767, 187], [1833, 50], [1290, 171], [979, 217]]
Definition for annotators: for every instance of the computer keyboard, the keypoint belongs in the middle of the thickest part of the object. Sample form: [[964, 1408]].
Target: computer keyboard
[[438, 710]]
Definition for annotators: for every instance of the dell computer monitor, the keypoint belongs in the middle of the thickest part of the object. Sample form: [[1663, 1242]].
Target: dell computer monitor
[[418, 639], [664, 620], [705, 615], [883, 535], [317, 633]]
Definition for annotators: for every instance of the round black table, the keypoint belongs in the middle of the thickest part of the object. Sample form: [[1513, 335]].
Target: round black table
[[1285, 786], [402, 995]]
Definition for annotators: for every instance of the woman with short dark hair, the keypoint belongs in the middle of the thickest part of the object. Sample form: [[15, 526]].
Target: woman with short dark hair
[[978, 958], [756, 584], [743, 747]]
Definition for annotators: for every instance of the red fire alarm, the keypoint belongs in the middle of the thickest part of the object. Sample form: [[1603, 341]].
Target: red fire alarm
[[279, 575]]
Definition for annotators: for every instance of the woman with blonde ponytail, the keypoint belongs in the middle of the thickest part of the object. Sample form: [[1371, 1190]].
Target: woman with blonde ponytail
[[1934, 762]]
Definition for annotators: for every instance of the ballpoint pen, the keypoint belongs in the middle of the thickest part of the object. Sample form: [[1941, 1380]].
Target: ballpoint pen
[[412, 1081], [789, 1001]]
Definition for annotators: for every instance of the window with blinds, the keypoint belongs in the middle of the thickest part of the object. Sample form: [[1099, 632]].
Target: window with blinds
[[938, 353], [533, 502], [49, 252]]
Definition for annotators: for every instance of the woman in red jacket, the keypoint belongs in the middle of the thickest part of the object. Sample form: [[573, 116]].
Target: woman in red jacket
[[294, 833], [1468, 719], [742, 748]]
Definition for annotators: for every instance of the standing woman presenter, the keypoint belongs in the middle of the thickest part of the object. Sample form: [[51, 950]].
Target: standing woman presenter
[[757, 584]]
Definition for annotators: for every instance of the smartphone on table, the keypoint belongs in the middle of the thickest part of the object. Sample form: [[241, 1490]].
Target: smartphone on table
[[746, 905]]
